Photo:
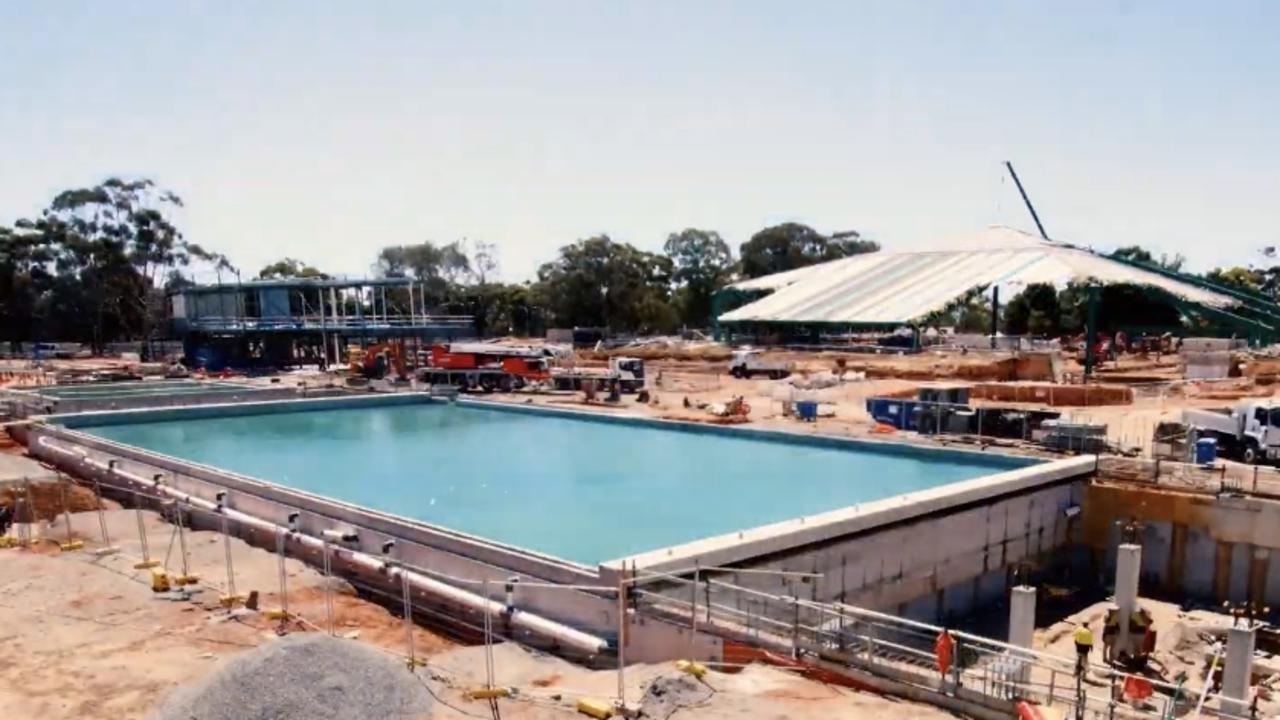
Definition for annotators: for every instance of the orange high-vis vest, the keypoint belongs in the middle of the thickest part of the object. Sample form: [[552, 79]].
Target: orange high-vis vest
[[943, 647]]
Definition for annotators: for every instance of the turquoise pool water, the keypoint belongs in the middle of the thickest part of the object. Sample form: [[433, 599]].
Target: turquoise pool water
[[582, 490]]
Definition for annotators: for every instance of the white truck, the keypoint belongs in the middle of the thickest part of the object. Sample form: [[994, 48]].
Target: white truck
[[627, 371], [1249, 432], [746, 363]]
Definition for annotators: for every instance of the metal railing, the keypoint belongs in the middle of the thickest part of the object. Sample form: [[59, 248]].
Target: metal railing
[[1215, 479], [317, 322], [982, 669]]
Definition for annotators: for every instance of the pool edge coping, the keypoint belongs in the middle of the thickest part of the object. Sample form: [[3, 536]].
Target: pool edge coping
[[763, 540], [1000, 461]]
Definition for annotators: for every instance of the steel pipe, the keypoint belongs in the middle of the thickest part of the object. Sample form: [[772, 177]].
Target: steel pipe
[[563, 634]]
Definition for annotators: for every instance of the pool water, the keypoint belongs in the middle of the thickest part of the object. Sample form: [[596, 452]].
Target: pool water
[[579, 489]]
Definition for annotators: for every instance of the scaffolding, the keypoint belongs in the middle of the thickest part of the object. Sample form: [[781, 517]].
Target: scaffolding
[[304, 320]]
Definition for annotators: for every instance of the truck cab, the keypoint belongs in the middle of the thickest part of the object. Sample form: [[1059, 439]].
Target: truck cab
[[627, 368], [1249, 432], [1261, 431], [629, 371]]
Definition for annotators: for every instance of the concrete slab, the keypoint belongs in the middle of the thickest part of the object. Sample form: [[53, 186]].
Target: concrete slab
[[16, 468]]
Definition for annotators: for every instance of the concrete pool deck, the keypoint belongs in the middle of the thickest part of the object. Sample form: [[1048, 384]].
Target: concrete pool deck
[[117, 396]]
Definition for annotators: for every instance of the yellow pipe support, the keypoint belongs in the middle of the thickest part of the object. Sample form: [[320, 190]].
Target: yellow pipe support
[[277, 615], [70, 546], [181, 580], [231, 600], [599, 709], [488, 693], [691, 667], [159, 581], [146, 565]]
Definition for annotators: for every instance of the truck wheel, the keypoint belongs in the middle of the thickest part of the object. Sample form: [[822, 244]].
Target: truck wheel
[[1250, 454], [736, 372]]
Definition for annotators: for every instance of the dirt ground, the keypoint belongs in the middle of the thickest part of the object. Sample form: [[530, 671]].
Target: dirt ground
[[1184, 645], [85, 636], [1159, 392], [699, 372]]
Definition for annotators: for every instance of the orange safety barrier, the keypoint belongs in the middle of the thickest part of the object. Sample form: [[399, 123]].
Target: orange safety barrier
[[736, 653], [1032, 711]]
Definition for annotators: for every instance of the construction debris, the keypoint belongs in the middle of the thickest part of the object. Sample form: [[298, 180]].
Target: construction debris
[[666, 695]]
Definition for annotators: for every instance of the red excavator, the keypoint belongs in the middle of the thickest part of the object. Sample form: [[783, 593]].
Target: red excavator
[[375, 361]]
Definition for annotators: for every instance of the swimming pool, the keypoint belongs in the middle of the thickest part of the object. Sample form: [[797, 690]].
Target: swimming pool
[[95, 391], [580, 489]]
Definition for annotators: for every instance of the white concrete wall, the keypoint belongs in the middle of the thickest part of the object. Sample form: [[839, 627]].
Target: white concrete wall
[[943, 564]]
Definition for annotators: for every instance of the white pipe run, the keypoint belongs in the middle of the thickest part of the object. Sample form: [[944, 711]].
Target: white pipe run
[[537, 624]]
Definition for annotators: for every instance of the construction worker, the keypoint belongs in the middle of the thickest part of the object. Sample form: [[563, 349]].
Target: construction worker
[[943, 648], [6, 519], [1084, 645]]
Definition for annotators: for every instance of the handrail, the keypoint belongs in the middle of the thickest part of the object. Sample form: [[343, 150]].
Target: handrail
[[318, 322], [866, 638]]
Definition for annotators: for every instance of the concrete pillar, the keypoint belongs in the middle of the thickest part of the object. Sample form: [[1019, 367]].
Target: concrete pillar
[[1177, 555], [1237, 669], [1022, 622], [1128, 567]]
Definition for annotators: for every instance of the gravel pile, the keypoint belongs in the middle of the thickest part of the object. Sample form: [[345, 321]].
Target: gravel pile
[[305, 676]]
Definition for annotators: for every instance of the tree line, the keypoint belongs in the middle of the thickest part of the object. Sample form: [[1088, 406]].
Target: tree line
[[95, 265]]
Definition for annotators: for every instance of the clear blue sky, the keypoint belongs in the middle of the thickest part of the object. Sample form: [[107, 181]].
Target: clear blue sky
[[326, 130]]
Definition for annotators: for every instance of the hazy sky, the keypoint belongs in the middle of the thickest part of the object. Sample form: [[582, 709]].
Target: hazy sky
[[327, 130]]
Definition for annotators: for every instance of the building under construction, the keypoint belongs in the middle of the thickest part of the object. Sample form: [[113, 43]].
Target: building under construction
[[301, 321]]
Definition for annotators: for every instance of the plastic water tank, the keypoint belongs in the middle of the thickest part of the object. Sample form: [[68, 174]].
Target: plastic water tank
[[1206, 451]]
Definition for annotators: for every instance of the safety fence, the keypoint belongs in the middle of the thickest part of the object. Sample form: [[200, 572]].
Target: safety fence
[[1216, 479]]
